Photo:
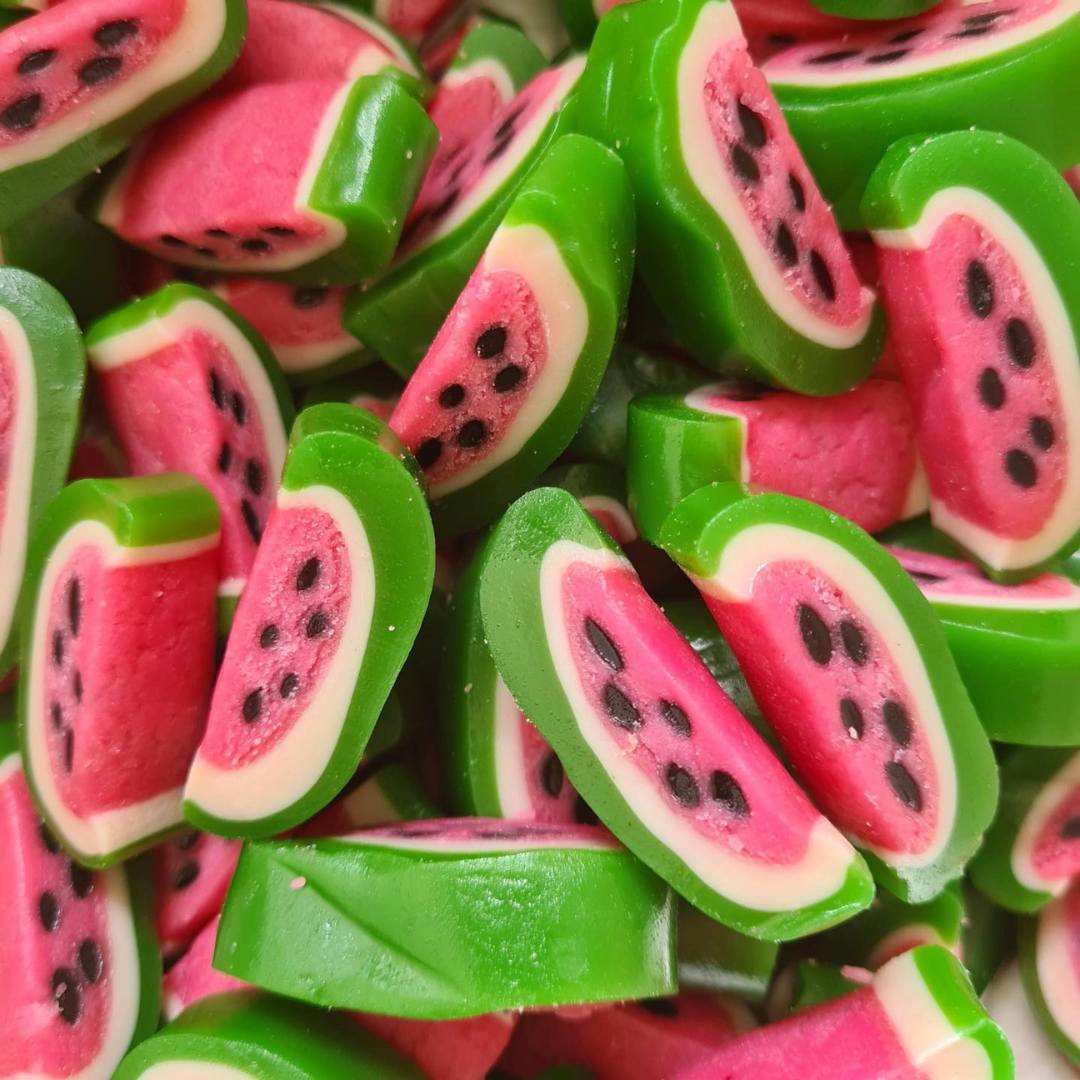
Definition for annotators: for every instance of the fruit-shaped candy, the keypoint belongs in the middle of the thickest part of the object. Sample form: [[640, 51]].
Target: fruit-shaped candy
[[453, 918], [853, 453], [647, 736], [189, 385], [993, 64], [852, 671], [455, 215], [509, 377], [977, 238], [337, 593], [345, 174], [1007, 1002], [736, 244], [121, 581], [42, 371]]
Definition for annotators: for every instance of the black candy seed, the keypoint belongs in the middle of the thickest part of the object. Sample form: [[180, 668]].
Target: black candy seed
[[1020, 466], [238, 407], [971, 32], [254, 477], [854, 642], [986, 18], [49, 911], [308, 575], [924, 578], [991, 388], [217, 392], [446, 205], [621, 709], [69, 750], [47, 838], [23, 114], [82, 880], [745, 166], [676, 718], [90, 960], [224, 461], [838, 56], [75, 606], [495, 152], [1071, 829], [1020, 342], [682, 786], [311, 297], [185, 876], [491, 343], [753, 127], [665, 1007], [604, 647], [815, 635], [782, 41], [506, 128], [172, 241], [57, 714], [890, 57], [903, 784], [451, 396], [851, 717], [823, 276], [428, 453], [36, 62], [218, 234], [251, 520], [289, 685], [727, 792], [904, 36], [77, 686], [100, 70], [252, 707], [269, 637], [317, 625], [1042, 432], [472, 434], [798, 193], [255, 246], [58, 647], [552, 775], [187, 841], [66, 994], [278, 230], [897, 722], [114, 33], [785, 245], [509, 378], [980, 289], [206, 252]]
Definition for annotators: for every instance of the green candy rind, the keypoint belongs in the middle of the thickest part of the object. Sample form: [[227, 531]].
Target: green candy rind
[[874, 9], [580, 197], [1024, 186], [357, 455], [27, 186], [140, 511], [507, 46], [814, 984], [1027, 942], [722, 961], [59, 367], [400, 315], [266, 1038], [510, 600], [1024, 775], [844, 131], [696, 535], [629, 98], [423, 932]]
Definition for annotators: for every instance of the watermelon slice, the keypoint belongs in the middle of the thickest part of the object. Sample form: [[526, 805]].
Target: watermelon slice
[[447, 919], [1017, 646], [121, 580], [514, 367], [42, 372], [996, 64], [81, 972], [248, 1036], [301, 325], [852, 671], [333, 208], [349, 544], [977, 236], [675, 770], [181, 353], [854, 454], [454, 217], [736, 244], [918, 1019], [773, 25], [1032, 851], [84, 79]]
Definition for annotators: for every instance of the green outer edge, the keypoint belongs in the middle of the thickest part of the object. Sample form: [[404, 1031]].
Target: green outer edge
[[580, 196], [269, 1039], [874, 9], [629, 99], [843, 132], [505, 44], [814, 984], [1027, 930], [140, 878], [510, 600], [355, 453], [399, 932], [1024, 775], [140, 511], [717, 959], [400, 315], [27, 186], [1022, 183], [695, 536], [671, 451], [60, 375]]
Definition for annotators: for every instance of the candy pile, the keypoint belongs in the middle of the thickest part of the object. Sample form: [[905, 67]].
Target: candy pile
[[539, 538]]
